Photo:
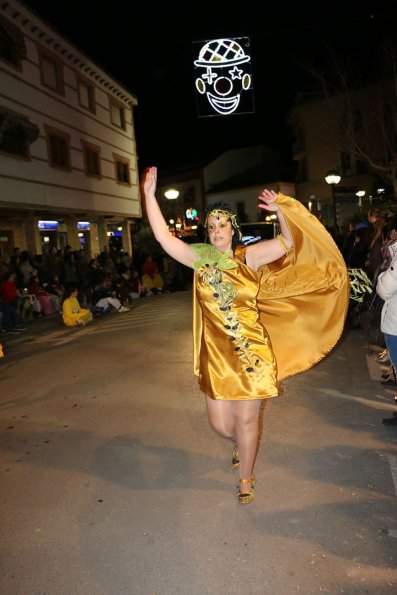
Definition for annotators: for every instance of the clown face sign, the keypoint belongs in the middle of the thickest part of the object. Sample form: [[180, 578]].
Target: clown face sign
[[223, 77]]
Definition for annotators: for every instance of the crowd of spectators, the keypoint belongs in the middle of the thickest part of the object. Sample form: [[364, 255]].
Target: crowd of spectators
[[32, 286]]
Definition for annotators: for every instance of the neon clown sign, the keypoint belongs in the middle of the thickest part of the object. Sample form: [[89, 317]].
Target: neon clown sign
[[223, 77]]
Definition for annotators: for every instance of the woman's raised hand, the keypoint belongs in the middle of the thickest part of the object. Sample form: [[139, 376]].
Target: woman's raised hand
[[150, 180], [269, 200]]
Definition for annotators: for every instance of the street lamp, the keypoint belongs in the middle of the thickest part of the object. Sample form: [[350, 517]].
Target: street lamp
[[172, 194], [360, 194], [332, 178]]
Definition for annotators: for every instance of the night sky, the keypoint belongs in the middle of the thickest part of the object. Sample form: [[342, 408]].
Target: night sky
[[152, 56]]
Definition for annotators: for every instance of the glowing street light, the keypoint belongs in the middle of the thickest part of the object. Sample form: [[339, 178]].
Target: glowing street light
[[360, 194], [332, 178], [171, 193]]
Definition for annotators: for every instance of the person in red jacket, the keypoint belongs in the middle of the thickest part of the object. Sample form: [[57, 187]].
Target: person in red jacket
[[10, 321], [151, 277]]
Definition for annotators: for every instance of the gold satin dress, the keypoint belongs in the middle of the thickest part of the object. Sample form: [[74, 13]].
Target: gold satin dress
[[252, 329], [236, 361]]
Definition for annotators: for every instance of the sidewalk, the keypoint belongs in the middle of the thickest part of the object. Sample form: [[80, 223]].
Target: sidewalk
[[47, 324]]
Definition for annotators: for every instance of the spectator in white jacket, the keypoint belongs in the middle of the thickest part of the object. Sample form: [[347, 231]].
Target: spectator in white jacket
[[386, 287]]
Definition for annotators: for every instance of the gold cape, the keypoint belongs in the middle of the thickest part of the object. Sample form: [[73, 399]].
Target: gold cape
[[303, 300], [303, 297]]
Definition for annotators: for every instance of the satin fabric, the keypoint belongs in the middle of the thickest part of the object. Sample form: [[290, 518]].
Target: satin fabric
[[304, 297], [302, 301], [234, 360]]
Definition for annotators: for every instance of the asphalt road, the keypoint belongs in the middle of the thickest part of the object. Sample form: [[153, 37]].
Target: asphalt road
[[112, 480]]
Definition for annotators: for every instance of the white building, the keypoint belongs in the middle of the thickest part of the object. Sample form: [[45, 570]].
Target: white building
[[68, 162], [238, 176]]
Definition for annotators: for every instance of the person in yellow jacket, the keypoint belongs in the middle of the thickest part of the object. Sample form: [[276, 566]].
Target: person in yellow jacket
[[72, 313]]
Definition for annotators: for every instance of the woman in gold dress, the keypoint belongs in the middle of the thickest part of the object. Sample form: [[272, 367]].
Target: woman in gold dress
[[234, 357]]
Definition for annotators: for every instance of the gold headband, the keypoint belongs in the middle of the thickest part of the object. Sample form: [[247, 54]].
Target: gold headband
[[217, 213]]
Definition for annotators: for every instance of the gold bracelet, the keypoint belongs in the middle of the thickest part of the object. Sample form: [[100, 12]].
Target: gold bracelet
[[283, 243]]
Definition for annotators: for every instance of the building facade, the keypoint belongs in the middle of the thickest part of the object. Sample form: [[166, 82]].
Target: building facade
[[320, 147], [68, 160]]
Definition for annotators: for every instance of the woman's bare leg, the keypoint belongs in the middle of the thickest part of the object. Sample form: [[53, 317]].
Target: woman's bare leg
[[220, 414], [239, 421], [246, 420]]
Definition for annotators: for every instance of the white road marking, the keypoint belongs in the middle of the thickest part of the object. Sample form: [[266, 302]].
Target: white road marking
[[367, 402], [143, 316]]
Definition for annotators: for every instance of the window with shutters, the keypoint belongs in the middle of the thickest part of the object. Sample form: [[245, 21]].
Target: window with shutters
[[86, 95], [122, 169], [17, 133], [58, 146], [12, 43], [117, 114], [51, 72], [92, 160]]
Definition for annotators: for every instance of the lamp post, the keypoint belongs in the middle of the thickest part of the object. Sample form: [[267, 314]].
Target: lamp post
[[360, 194], [333, 178], [172, 194]]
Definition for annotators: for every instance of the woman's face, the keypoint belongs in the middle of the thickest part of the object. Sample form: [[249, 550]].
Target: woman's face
[[220, 232]]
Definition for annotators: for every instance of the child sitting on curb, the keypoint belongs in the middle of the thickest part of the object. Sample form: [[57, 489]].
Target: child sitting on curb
[[72, 313]]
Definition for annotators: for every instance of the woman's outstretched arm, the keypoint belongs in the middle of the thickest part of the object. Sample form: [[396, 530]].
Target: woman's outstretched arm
[[270, 250], [175, 247]]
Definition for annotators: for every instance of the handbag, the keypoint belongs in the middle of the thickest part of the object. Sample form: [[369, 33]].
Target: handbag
[[370, 319]]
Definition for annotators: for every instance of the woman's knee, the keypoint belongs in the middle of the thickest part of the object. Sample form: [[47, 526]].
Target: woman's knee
[[225, 429], [246, 413], [220, 417]]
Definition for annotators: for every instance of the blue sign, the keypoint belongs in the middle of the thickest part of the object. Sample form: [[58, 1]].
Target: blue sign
[[48, 225]]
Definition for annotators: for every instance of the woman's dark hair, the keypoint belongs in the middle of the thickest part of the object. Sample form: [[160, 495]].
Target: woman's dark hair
[[69, 289], [25, 256], [224, 206]]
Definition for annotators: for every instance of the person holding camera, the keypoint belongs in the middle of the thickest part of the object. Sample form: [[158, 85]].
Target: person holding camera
[[386, 287]]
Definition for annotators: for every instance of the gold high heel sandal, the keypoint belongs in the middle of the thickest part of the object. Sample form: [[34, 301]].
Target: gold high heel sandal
[[246, 497], [235, 457]]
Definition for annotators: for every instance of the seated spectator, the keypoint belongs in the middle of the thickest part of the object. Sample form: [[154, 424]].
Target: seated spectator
[[173, 275], [10, 320], [44, 298], [151, 277], [122, 287], [56, 290], [105, 298], [72, 313], [27, 305], [137, 288]]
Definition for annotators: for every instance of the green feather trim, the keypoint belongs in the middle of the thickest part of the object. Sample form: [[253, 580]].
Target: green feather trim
[[360, 284]]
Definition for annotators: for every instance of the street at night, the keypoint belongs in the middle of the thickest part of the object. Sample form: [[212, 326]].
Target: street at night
[[114, 482]]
